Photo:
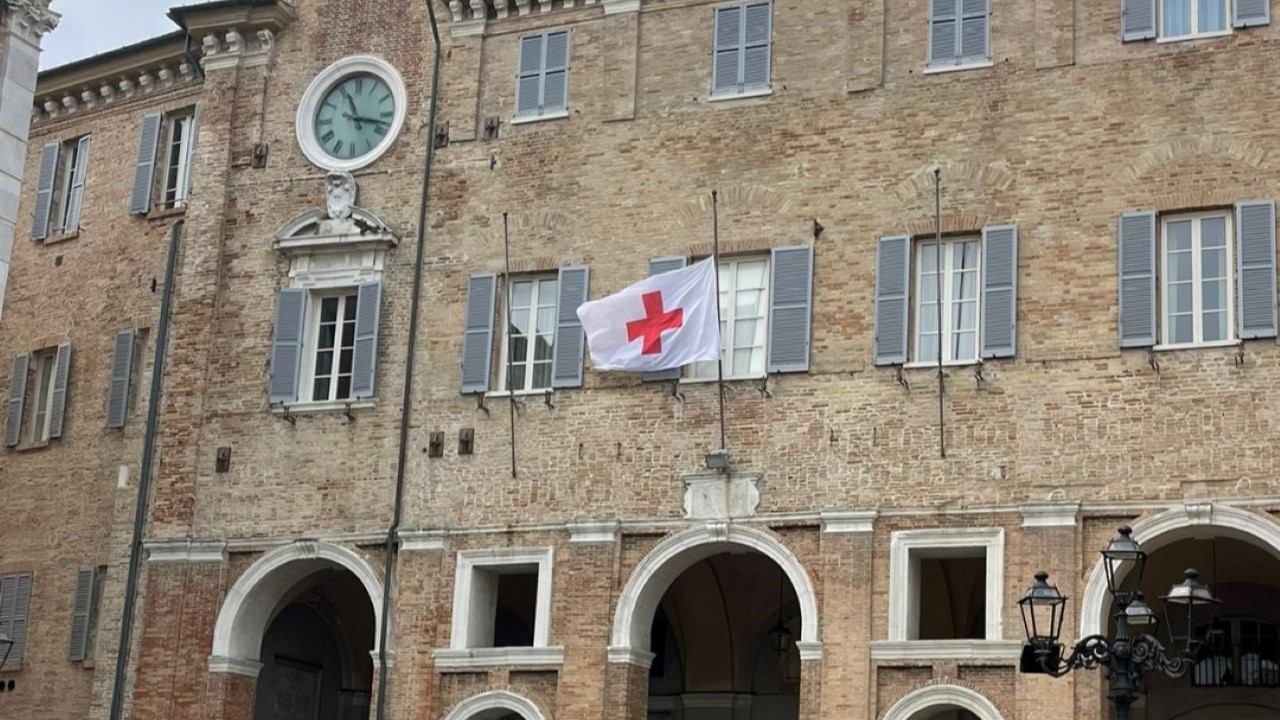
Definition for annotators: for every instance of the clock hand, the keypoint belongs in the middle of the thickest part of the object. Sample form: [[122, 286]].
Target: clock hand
[[360, 118], [351, 104]]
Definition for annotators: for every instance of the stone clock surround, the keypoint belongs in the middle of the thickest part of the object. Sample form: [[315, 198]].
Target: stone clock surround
[[305, 122]]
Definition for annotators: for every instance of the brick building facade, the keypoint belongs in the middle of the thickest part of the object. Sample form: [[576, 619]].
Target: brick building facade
[[1106, 278]]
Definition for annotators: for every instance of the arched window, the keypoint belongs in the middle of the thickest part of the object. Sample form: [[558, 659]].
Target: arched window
[[1239, 652]]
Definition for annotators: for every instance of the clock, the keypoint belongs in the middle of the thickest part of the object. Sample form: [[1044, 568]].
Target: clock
[[351, 113]]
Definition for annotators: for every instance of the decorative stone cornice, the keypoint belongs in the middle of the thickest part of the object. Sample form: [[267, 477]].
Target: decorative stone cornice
[[416, 540], [851, 521], [593, 531], [468, 10], [80, 92], [1049, 514], [31, 19], [187, 551], [223, 664]]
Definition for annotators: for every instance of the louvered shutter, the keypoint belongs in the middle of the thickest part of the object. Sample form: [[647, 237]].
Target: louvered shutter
[[1137, 20], [194, 134], [975, 29], [80, 607], [17, 393], [999, 291], [790, 308], [529, 79], [75, 194], [1250, 13], [570, 341], [657, 266], [755, 46], [727, 64], [144, 170], [58, 404], [1256, 269], [121, 373], [943, 32], [477, 339], [8, 604], [893, 279], [555, 74], [286, 345], [364, 363], [15, 602], [44, 190], [1137, 247]]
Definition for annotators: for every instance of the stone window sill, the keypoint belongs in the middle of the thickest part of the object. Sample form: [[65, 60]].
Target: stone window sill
[[939, 69], [310, 408], [927, 364], [1199, 36], [12, 667], [165, 213], [523, 119], [468, 659], [31, 447], [744, 95], [1196, 346], [62, 237]]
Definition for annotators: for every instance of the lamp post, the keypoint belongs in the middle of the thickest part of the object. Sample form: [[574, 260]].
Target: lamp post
[[1126, 657]]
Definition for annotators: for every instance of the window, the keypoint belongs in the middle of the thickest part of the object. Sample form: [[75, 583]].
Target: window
[[1184, 19], [542, 82], [946, 584], [15, 601], [84, 612], [325, 345], [530, 334], [1239, 652], [60, 188], [743, 34], [744, 295], [177, 159], [126, 375], [42, 404], [959, 32], [956, 283], [37, 395], [1196, 279], [333, 347]]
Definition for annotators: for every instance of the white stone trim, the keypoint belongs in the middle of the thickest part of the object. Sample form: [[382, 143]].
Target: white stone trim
[[613, 7], [326, 79], [182, 550], [904, 584], [593, 531], [496, 703], [1200, 519], [467, 28], [632, 656], [809, 650], [851, 521], [247, 668], [1049, 514], [463, 634], [451, 659], [326, 406], [415, 540], [889, 650], [655, 573], [942, 697], [248, 607]]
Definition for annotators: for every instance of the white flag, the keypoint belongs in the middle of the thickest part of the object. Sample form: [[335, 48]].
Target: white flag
[[664, 321]]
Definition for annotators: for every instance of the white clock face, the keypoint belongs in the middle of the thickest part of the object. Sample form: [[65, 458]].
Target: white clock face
[[351, 114]]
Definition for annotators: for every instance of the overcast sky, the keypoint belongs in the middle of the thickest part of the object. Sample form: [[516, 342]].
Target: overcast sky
[[89, 27]]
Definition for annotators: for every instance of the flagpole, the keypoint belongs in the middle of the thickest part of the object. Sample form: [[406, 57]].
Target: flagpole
[[937, 266], [715, 255], [511, 393]]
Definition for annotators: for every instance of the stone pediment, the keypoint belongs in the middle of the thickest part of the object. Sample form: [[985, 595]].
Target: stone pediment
[[341, 227]]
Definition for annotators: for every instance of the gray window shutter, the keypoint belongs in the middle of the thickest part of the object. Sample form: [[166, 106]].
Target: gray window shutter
[[477, 339], [727, 64], [529, 79], [44, 190], [555, 77], [286, 345], [1256, 268], [364, 363], [756, 35], [75, 194], [1250, 13], [999, 291], [194, 133], [790, 308], [15, 602], [144, 171], [943, 32], [81, 605], [893, 280], [1137, 20], [17, 393], [975, 29], [657, 266], [570, 342], [121, 373], [58, 404], [1137, 241]]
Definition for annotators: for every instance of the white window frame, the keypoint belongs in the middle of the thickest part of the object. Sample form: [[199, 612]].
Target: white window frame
[[1195, 23], [311, 345], [1197, 291], [536, 280], [42, 405], [178, 187], [68, 158], [728, 318], [474, 600], [906, 548], [917, 283]]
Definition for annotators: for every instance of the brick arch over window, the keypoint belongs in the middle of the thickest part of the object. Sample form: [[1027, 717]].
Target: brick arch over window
[[1160, 530], [494, 705], [653, 576], [934, 698], [247, 610]]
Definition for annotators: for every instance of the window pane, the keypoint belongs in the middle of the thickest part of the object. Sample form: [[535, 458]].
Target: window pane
[[750, 303], [328, 310], [928, 257], [1180, 297], [542, 347], [1213, 15], [744, 332], [1180, 267], [751, 274], [344, 388], [519, 322], [541, 375], [519, 348], [1178, 235], [965, 346], [324, 362], [1213, 263], [1175, 17], [1183, 329], [1215, 326], [324, 339], [965, 316], [546, 319], [344, 362], [517, 377], [349, 308], [320, 390], [1215, 295], [348, 334], [521, 294], [927, 348], [928, 291], [928, 318], [1213, 232], [547, 293]]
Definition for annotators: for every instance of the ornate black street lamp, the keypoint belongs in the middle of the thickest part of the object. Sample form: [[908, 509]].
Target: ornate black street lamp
[[1127, 658]]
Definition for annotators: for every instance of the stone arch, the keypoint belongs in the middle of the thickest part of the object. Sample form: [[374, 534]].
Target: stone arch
[[677, 553], [1165, 528], [496, 704], [247, 610], [943, 697]]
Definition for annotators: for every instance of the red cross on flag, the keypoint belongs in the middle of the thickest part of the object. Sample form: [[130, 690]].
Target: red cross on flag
[[664, 321]]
